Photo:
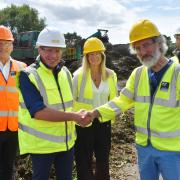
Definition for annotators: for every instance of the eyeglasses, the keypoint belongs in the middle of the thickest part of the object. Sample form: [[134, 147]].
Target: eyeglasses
[[145, 46]]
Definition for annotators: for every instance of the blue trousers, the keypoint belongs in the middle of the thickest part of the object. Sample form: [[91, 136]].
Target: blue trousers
[[153, 162], [63, 163]]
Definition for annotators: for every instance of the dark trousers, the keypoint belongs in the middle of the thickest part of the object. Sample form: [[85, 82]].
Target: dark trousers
[[63, 162], [8, 149], [96, 140]]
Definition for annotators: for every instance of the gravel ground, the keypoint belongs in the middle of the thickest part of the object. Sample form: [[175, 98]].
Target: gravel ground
[[123, 164]]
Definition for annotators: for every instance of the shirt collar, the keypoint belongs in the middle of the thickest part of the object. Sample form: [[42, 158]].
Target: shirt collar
[[7, 63]]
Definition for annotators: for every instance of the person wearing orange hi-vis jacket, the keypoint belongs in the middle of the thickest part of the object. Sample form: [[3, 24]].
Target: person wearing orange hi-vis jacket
[[9, 103], [154, 91]]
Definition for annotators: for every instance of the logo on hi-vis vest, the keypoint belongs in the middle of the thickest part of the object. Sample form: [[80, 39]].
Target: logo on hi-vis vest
[[13, 73], [164, 86]]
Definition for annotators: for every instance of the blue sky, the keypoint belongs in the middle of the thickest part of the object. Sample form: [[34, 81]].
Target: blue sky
[[117, 16]]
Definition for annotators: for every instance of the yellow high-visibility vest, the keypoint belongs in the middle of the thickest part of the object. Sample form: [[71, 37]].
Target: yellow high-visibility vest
[[83, 93], [157, 120], [39, 136]]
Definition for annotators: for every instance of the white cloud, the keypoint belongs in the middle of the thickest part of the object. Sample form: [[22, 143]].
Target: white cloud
[[169, 8], [86, 16]]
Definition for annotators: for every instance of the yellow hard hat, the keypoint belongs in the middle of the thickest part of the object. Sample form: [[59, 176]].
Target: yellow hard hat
[[143, 29], [5, 34], [93, 44]]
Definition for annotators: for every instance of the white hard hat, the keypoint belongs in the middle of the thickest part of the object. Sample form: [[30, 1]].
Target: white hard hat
[[177, 32], [51, 37]]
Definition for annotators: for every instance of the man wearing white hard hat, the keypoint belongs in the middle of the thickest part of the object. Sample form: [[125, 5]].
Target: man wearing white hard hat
[[46, 123]]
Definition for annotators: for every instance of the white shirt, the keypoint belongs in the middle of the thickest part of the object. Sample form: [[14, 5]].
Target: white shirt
[[5, 69], [101, 94]]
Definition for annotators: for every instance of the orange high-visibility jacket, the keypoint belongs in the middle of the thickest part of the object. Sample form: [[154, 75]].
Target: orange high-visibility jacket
[[9, 98]]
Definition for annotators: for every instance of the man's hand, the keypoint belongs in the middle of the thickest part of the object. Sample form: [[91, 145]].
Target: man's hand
[[83, 118], [87, 117]]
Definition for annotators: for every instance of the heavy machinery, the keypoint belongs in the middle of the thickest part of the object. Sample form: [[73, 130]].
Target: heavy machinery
[[102, 35], [25, 46]]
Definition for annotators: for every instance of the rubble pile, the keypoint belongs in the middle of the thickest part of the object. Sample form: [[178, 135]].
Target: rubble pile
[[121, 61]]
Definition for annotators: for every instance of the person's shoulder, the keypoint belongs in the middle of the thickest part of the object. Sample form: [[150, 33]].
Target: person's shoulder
[[22, 65], [139, 68], [64, 68], [31, 69], [110, 72], [77, 72]]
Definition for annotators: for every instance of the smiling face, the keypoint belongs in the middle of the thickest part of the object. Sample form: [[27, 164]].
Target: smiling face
[[50, 56], [148, 52], [94, 59]]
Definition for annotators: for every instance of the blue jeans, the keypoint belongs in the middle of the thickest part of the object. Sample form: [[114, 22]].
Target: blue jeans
[[153, 162], [63, 162]]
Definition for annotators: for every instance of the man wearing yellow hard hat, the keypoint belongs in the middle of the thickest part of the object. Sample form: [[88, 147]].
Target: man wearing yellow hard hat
[[154, 91], [176, 57]]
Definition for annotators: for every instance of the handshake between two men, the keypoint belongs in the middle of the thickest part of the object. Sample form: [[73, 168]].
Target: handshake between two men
[[86, 117]]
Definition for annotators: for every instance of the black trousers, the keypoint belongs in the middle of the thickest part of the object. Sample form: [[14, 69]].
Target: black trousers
[[8, 149], [94, 140]]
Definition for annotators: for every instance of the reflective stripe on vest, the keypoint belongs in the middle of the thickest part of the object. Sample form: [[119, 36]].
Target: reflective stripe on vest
[[82, 89], [43, 93], [8, 113], [172, 103], [40, 136], [129, 94], [9, 88], [10, 97], [69, 78], [114, 107], [80, 97], [159, 134], [158, 101], [44, 136]]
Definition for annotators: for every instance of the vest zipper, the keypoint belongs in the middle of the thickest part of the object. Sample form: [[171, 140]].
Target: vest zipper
[[64, 108], [151, 105]]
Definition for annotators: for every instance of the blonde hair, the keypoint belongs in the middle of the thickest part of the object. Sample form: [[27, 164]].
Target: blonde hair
[[104, 70]]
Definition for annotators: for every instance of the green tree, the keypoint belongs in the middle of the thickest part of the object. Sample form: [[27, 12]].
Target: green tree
[[72, 39], [21, 18], [171, 46]]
